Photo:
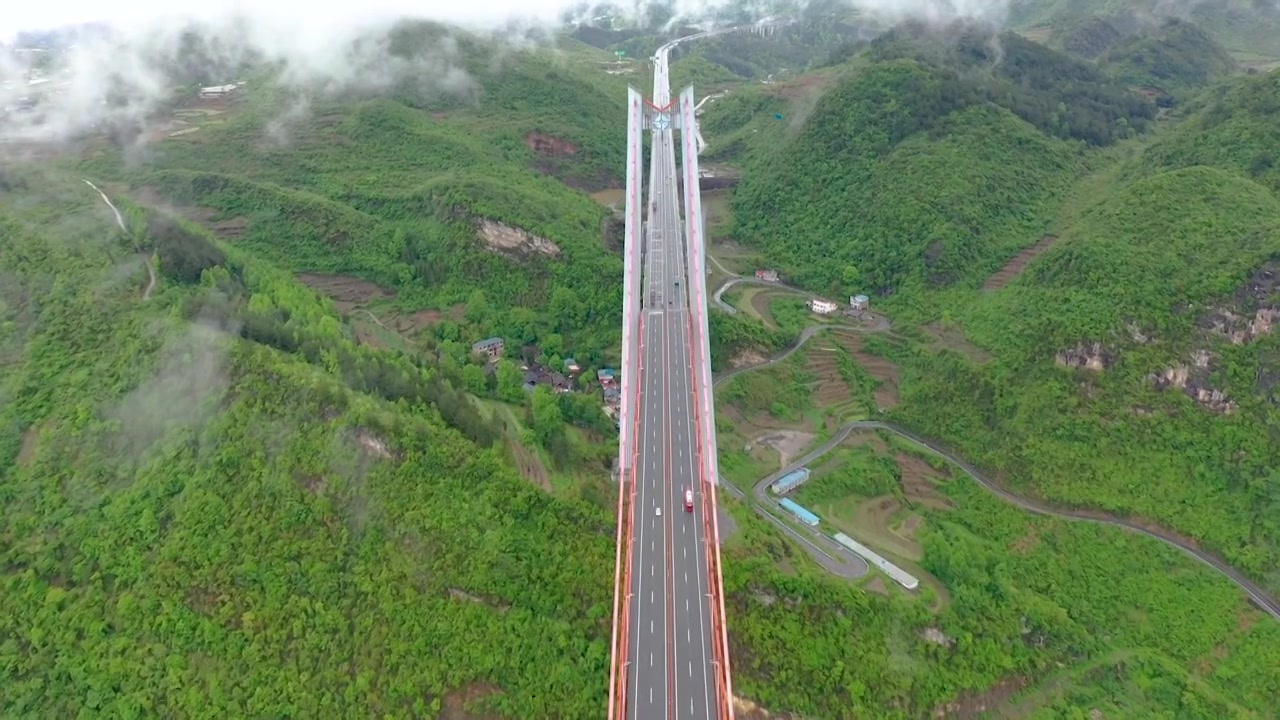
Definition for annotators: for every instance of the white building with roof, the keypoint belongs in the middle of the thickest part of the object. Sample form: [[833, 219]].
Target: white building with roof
[[823, 307]]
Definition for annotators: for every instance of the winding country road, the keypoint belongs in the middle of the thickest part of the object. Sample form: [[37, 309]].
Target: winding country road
[[151, 273], [1260, 597]]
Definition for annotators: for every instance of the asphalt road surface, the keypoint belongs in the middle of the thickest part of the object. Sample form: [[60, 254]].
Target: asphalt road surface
[[671, 673]]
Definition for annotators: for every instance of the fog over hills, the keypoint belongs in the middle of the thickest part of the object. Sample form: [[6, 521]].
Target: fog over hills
[[86, 77]]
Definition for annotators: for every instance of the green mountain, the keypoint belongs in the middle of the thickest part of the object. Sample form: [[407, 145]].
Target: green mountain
[[1234, 130], [1249, 29], [1086, 315], [884, 171], [1160, 283], [912, 183], [1178, 56], [432, 195], [224, 493]]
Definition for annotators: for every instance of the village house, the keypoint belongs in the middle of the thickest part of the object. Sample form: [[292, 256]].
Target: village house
[[571, 366], [823, 307], [536, 376], [491, 347], [217, 92], [767, 275]]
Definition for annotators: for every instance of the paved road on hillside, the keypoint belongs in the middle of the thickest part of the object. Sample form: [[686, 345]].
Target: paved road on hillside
[[1260, 597]]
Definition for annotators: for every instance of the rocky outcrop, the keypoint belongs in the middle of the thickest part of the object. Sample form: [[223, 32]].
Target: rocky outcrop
[[1193, 381], [1241, 329], [514, 241], [1092, 356], [544, 144]]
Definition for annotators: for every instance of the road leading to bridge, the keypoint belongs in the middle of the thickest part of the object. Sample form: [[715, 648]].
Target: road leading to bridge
[[671, 651]]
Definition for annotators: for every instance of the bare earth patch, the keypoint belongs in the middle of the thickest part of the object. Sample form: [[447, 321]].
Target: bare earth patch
[[972, 705], [347, 292], [460, 704], [874, 518], [531, 468], [919, 482], [789, 443], [1014, 267], [760, 302], [747, 358], [1025, 544], [887, 396], [30, 444], [831, 389], [876, 585], [909, 527], [612, 198], [747, 710], [801, 87], [229, 229]]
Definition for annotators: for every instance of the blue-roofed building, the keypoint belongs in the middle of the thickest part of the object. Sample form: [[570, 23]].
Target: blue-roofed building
[[790, 481], [801, 514]]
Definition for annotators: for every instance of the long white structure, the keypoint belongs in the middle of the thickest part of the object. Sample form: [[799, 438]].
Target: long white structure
[[631, 264], [900, 576]]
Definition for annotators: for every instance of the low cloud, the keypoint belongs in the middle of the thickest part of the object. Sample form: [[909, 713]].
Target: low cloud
[[121, 80], [185, 391], [122, 75]]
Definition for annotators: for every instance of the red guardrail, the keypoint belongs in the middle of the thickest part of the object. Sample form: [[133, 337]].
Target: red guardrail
[[618, 699]]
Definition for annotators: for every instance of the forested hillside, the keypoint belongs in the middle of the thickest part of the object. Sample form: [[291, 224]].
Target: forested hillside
[[1165, 289], [216, 501], [1179, 56], [885, 169], [198, 522], [1082, 299], [1249, 29], [431, 195], [907, 180], [1235, 131]]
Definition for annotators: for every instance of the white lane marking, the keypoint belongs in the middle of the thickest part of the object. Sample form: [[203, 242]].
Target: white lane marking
[[651, 627], [650, 659], [651, 694], [691, 675]]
